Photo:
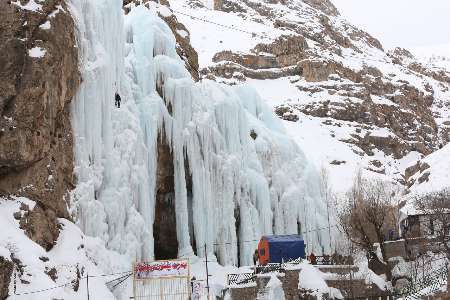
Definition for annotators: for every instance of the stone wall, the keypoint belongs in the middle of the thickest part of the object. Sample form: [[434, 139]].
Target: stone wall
[[290, 284], [395, 249], [289, 280], [246, 293]]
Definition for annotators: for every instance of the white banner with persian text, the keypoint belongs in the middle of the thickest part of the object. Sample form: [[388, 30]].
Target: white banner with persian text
[[158, 269]]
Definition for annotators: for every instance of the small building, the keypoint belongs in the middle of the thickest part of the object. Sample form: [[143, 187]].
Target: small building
[[280, 248], [418, 224]]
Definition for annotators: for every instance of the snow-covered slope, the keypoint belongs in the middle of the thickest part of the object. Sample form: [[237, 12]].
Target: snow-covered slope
[[438, 55], [61, 272], [357, 106], [431, 174], [427, 176]]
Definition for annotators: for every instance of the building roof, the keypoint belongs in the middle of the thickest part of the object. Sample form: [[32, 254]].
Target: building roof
[[283, 238]]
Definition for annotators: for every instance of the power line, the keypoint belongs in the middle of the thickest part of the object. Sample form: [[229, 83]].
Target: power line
[[43, 290], [71, 282], [254, 34], [252, 241], [217, 24], [263, 37]]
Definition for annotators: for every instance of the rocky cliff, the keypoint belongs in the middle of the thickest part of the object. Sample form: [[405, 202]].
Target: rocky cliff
[[38, 78]]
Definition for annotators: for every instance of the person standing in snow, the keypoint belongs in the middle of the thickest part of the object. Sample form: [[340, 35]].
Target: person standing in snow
[[255, 257], [117, 100]]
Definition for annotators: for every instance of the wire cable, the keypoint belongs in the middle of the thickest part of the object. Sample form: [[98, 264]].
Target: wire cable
[[81, 278]]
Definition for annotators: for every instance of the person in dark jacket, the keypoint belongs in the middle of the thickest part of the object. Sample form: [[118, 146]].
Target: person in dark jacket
[[118, 100], [255, 257]]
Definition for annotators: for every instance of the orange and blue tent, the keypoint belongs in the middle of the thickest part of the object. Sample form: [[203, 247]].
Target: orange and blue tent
[[280, 248]]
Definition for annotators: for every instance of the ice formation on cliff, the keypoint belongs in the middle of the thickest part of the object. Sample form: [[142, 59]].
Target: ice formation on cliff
[[266, 182]]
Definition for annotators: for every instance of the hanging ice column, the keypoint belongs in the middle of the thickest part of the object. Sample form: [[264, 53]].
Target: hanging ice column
[[113, 195], [243, 185]]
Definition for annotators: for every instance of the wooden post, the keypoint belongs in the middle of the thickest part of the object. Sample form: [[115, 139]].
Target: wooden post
[[207, 273], [87, 285], [161, 289], [15, 279], [448, 280], [189, 279], [134, 279]]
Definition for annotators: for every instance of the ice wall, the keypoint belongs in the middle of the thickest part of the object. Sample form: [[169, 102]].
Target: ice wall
[[242, 187]]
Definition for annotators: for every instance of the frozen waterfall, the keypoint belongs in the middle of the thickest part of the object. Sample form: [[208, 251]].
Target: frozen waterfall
[[240, 186]]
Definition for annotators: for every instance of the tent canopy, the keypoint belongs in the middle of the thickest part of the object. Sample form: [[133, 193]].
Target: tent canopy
[[279, 248]]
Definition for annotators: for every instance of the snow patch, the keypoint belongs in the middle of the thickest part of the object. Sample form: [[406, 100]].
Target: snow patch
[[46, 25], [32, 5], [37, 52], [312, 279], [275, 289]]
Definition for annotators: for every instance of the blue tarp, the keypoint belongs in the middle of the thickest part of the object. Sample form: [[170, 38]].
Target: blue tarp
[[285, 247]]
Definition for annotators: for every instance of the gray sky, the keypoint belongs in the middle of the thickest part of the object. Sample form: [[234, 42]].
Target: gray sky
[[405, 23]]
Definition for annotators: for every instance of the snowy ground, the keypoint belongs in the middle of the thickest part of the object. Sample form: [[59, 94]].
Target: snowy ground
[[74, 252]]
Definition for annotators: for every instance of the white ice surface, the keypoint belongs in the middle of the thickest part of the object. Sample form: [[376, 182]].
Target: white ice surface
[[268, 182]]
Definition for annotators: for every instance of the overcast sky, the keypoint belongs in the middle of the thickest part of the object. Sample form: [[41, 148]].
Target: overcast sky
[[405, 23]]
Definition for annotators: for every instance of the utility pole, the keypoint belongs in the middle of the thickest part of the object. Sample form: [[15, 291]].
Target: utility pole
[[329, 226], [351, 271], [15, 279], [326, 190], [87, 285], [207, 273]]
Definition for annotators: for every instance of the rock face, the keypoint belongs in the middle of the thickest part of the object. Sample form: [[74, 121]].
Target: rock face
[[184, 48], [164, 227], [38, 78], [6, 270], [41, 226]]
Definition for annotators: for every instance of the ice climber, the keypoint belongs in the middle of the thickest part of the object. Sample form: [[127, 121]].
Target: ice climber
[[118, 100]]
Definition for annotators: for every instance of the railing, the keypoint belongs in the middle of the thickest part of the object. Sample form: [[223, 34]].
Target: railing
[[332, 260], [324, 260], [241, 278], [294, 261], [269, 268], [433, 281], [245, 278]]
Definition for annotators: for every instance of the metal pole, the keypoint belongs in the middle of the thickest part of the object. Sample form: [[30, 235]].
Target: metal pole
[[207, 273], [329, 226], [87, 285], [15, 279]]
